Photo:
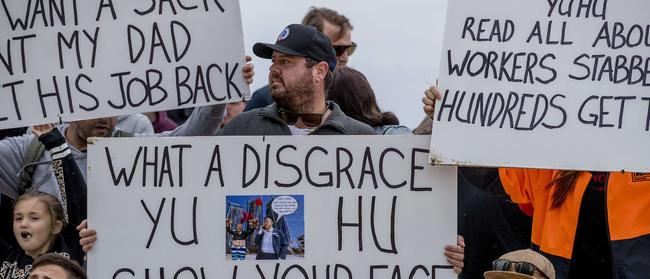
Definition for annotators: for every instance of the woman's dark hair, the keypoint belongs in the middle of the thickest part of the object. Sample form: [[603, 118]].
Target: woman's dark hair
[[352, 92], [562, 185]]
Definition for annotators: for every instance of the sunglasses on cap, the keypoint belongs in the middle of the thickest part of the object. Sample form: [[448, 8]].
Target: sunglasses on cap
[[340, 49], [309, 119], [519, 267]]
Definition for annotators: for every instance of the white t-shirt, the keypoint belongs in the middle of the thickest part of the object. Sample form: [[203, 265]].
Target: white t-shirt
[[299, 131]]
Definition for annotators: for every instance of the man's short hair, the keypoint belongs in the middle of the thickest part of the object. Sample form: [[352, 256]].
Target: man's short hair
[[269, 217], [317, 16], [74, 270]]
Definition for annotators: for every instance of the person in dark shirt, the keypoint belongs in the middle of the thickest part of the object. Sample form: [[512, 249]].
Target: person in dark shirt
[[592, 256], [490, 223]]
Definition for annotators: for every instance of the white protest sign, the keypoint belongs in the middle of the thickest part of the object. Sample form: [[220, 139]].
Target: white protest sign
[[351, 207], [69, 60], [546, 84]]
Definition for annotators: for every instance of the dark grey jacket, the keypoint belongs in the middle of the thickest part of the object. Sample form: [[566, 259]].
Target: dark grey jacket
[[267, 122]]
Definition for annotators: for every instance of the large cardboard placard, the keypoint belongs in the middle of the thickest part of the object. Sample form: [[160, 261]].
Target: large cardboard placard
[[350, 206], [547, 84], [67, 60]]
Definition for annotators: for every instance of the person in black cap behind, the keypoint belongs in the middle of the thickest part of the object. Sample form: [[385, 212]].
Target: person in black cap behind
[[336, 27], [303, 60]]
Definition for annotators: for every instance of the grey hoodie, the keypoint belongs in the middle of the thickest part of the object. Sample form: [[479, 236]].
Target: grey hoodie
[[204, 121]]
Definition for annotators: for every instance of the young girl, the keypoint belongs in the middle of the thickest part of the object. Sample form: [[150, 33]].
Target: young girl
[[39, 219]]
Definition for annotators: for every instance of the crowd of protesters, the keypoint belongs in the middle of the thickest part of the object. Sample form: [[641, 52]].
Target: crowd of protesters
[[579, 224]]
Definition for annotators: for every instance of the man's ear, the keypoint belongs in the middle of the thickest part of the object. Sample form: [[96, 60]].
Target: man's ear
[[320, 71]]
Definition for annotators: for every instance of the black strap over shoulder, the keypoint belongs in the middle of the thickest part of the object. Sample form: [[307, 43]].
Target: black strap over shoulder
[[34, 152], [122, 134]]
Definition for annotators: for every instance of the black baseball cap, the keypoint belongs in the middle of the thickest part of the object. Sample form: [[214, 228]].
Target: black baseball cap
[[300, 40]]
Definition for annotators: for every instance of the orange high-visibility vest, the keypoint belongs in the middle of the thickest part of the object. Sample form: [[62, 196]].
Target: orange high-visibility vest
[[628, 213]]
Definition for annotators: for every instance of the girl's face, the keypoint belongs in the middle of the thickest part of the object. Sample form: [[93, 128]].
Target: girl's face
[[33, 227]]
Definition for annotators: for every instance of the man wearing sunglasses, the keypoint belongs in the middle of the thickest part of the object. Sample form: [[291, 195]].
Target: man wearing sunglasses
[[336, 27], [521, 264], [302, 63]]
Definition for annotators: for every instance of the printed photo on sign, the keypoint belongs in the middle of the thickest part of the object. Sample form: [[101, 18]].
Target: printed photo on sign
[[265, 227]]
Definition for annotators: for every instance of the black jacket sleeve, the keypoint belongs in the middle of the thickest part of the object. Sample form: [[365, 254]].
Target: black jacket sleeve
[[248, 232], [72, 187]]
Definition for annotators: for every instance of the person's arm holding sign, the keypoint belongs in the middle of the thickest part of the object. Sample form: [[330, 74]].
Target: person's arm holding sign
[[70, 182], [429, 100], [455, 253], [228, 222], [205, 120]]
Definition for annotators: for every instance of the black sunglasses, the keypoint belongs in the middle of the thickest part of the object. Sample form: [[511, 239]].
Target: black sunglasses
[[309, 119], [340, 49], [520, 267]]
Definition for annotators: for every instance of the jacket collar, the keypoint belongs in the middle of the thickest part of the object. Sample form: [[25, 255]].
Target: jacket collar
[[336, 119]]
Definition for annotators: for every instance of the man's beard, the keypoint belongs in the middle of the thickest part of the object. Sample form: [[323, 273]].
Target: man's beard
[[296, 97], [86, 132]]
